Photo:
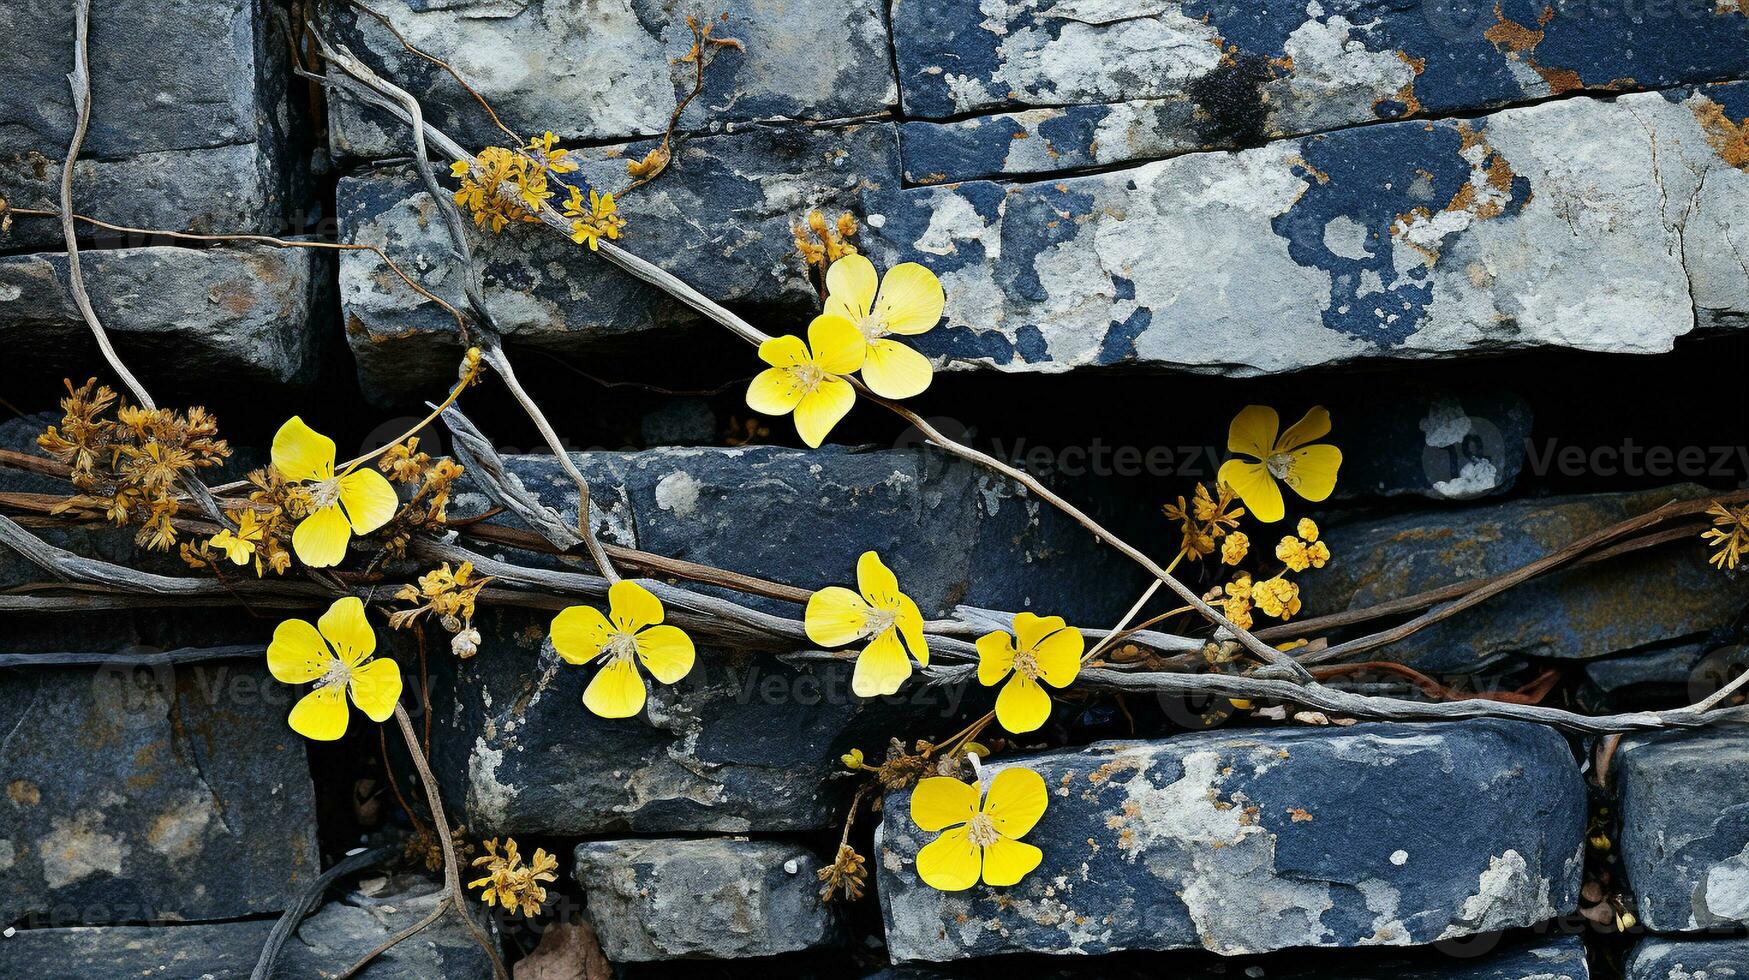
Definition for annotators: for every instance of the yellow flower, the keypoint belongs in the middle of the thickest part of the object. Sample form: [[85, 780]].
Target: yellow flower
[[239, 545], [979, 839], [509, 882], [558, 161], [1308, 529], [909, 301], [807, 378], [483, 189], [1309, 470], [357, 502], [336, 654], [1292, 552], [1234, 548], [631, 629], [599, 218], [1277, 597], [882, 614], [1048, 651]]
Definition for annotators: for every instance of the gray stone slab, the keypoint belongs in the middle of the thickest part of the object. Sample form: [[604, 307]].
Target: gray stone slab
[[151, 795], [1677, 959], [1685, 827], [712, 898], [1246, 842]]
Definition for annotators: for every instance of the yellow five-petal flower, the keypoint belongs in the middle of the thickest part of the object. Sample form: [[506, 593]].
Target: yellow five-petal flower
[[336, 654], [632, 629], [806, 378], [978, 841], [1048, 651], [1309, 470], [882, 614], [909, 301], [357, 502]]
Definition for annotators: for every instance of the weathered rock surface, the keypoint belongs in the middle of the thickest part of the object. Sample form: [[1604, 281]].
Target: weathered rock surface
[[600, 72], [327, 942], [246, 315], [1657, 596], [527, 758], [724, 898], [1684, 804], [1675, 959], [720, 218], [189, 118], [1579, 223], [1244, 842], [1117, 81], [150, 795]]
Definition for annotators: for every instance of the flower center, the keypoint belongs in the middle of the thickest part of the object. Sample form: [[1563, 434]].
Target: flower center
[[1278, 464], [879, 621], [807, 376], [873, 326], [620, 646], [325, 494], [337, 673], [1026, 664], [982, 830]]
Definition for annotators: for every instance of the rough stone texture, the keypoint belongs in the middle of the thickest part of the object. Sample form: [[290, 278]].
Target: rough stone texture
[[1684, 803], [242, 314], [326, 944], [673, 898], [720, 219], [1244, 842], [189, 120], [1113, 81], [1579, 223], [525, 757], [1672, 959], [1664, 594], [603, 70], [150, 795]]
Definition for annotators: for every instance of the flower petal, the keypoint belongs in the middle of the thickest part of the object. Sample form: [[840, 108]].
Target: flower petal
[[1254, 485], [911, 300], [302, 453], [1311, 471], [786, 351], [1059, 657], [835, 616], [1016, 800], [839, 348], [667, 652], [820, 410], [369, 500], [1023, 706], [298, 654], [995, 657], [942, 801], [579, 633], [345, 626], [881, 668], [774, 391], [1029, 630], [910, 624], [1316, 425], [850, 287], [1253, 431], [632, 607], [376, 687], [616, 691], [1007, 861], [876, 581], [320, 539], [893, 370], [320, 714], [951, 862]]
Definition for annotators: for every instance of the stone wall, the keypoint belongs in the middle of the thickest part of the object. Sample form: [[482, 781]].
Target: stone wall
[[1352, 201]]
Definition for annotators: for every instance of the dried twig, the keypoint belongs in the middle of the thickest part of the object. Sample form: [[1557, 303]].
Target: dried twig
[[307, 900]]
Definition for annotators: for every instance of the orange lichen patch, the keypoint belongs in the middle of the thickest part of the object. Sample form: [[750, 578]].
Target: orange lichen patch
[[1732, 7], [1406, 94], [1518, 42], [23, 792], [1729, 139], [1483, 197], [1299, 814]]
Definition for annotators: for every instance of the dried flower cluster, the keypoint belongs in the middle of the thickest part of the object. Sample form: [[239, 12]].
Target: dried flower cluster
[[428, 510], [1205, 520], [1729, 534], [450, 596], [131, 465], [820, 243], [512, 884], [847, 875]]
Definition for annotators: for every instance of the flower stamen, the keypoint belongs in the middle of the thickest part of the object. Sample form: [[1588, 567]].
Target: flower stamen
[[981, 830]]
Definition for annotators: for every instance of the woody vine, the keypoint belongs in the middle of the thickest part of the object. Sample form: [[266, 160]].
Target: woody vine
[[373, 536]]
